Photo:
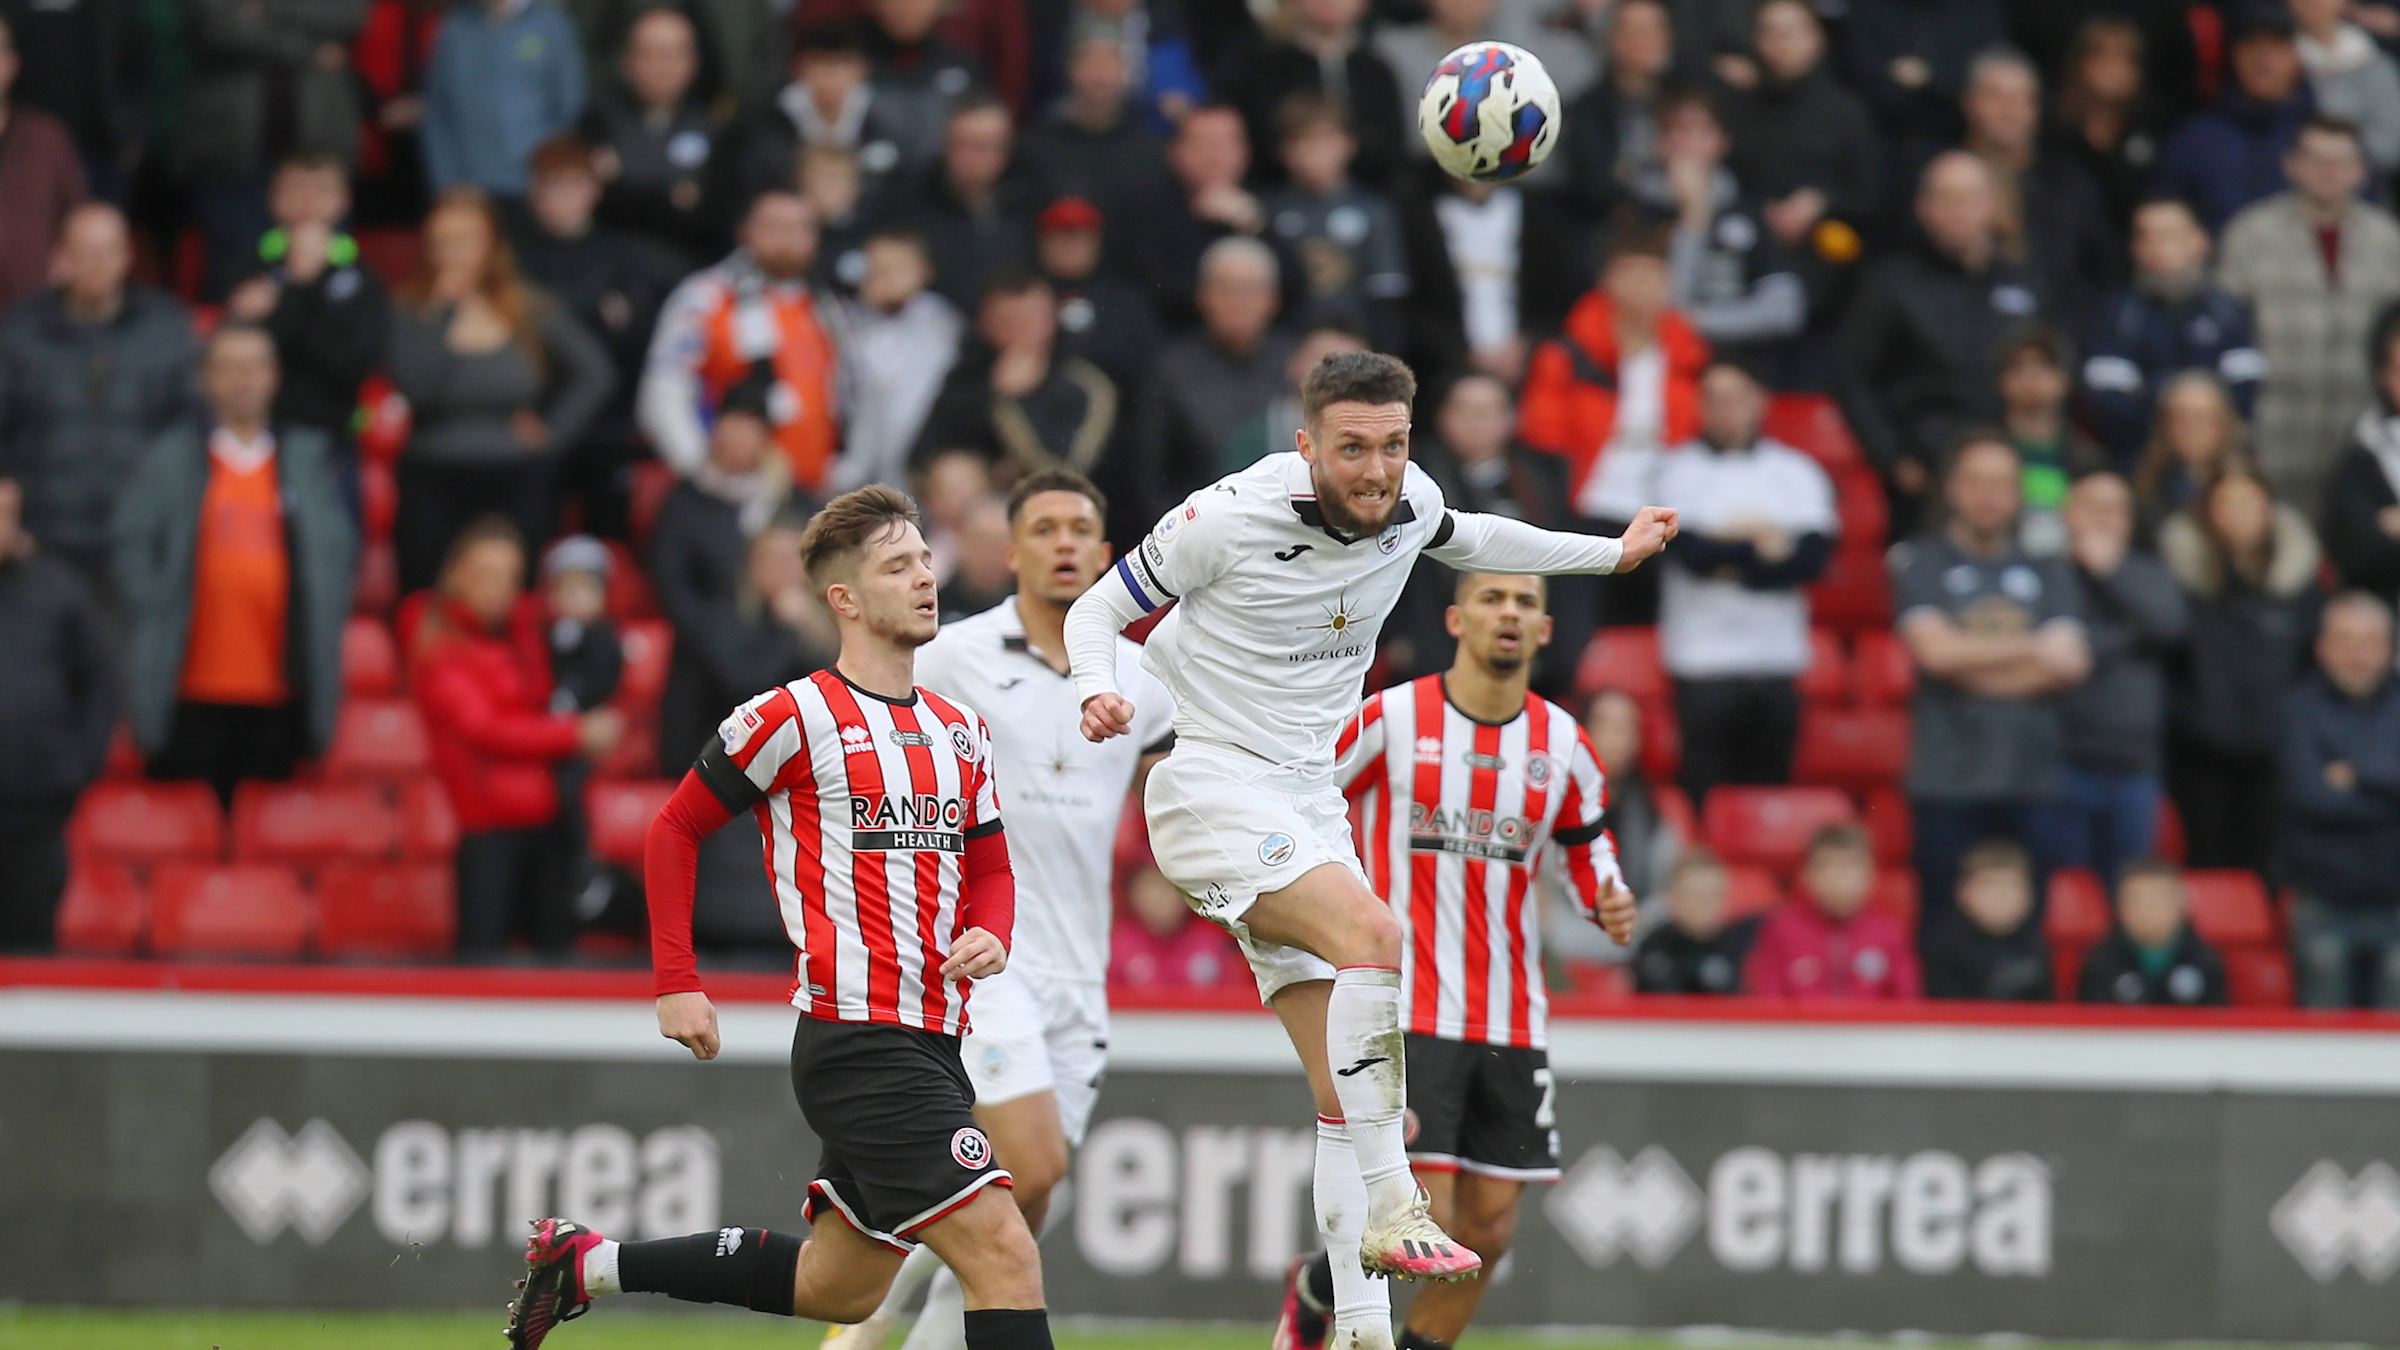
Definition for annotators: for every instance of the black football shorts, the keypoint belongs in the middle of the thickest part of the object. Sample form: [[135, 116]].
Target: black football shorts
[[1478, 1108], [895, 1112]]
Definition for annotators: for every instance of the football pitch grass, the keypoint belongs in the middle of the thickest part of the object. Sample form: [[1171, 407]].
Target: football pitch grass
[[39, 1328]]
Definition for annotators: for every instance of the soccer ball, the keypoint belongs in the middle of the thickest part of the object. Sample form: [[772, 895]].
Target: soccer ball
[[1489, 112]]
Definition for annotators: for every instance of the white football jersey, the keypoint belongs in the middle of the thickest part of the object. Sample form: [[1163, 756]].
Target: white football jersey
[[1060, 794]]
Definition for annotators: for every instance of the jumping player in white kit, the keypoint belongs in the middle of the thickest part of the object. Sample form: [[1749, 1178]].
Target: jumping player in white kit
[[1283, 574], [1039, 1044]]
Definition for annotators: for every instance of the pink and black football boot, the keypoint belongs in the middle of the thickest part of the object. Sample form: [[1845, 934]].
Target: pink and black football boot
[[553, 1283]]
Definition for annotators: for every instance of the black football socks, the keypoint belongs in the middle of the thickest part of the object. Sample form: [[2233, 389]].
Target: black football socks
[[1008, 1329], [1411, 1339], [749, 1267]]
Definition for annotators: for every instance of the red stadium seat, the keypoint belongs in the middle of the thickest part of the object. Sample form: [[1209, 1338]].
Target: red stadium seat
[[1812, 423], [629, 593], [652, 481], [1881, 669], [2259, 977], [1624, 659], [1750, 890], [1895, 894], [378, 585], [148, 822], [237, 909], [1855, 594], [1771, 826], [1890, 828], [620, 814], [308, 823], [2078, 914], [1827, 679], [378, 738], [2229, 907], [378, 498], [648, 644], [427, 827], [124, 760], [379, 909], [1609, 981], [383, 430], [370, 659], [1865, 513], [104, 912], [1851, 747]]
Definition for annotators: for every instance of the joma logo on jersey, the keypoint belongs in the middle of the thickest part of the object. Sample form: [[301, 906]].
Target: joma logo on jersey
[[921, 811]]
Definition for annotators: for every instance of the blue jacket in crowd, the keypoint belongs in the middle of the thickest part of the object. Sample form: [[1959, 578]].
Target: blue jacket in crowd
[[2342, 848], [2140, 341], [2230, 154], [503, 79]]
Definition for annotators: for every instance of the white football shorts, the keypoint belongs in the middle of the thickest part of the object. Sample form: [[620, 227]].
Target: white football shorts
[[1227, 828], [1030, 1035]]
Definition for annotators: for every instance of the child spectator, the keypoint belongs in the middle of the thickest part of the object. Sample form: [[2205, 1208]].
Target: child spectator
[[1167, 946], [902, 340], [1352, 265], [1992, 948], [585, 657], [830, 104], [506, 75], [2034, 383], [1695, 951], [2153, 957], [2171, 319], [1824, 942]]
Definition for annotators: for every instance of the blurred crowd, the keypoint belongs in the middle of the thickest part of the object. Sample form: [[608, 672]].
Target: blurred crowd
[[505, 327]]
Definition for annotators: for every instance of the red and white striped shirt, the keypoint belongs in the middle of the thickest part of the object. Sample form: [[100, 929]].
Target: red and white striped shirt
[[866, 807], [1457, 816]]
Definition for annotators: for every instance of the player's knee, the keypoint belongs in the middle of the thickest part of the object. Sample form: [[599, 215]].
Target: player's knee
[[1033, 1178], [1488, 1236], [1370, 936]]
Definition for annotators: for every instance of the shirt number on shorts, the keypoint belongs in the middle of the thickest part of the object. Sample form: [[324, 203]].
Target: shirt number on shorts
[[1545, 1116]]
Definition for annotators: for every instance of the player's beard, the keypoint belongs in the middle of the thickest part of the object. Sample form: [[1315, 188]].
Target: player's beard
[[1335, 507], [1503, 663]]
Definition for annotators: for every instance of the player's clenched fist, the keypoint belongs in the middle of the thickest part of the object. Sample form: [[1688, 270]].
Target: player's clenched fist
[[976, 955], [1617, 909], [1106, 715], [1652, 527], [690, 1021]]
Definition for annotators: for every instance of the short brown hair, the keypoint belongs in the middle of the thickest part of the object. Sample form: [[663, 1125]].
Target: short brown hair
[[2148, 869], [1355, 377], [1995, 855], [564, 153], [1303, 113], [1055, 479], [1838, 839], [1694, 858], [848, 523]]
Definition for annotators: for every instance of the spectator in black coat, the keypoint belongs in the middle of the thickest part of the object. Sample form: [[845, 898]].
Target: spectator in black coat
[[2172, 318], [725, 562], [2248, 566], [587, 659], [1909, 60], [57, 702], [1013, 400], [2153, 956], [831, 104], [1102, 318], [1351, 265], [1210, 158], [614, 283], [2341, 811], [1322, 53], [1920, 351], [2114, 100], [1207, 385], [671, 170], [2134, 617], [2231, 153], [1473, 453], [1491, 268], [1733, 278], [2052, 216], [1695, 951], [2036, 379], [972, 215], [1608, 137], [1802, 142], [329, 315], [1095, 146], [917, 77], [1991, 946], [2362, 499]]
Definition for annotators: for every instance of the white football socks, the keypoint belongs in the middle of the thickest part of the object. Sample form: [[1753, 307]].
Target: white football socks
[[943, 1323], [1369, 1059], [600, 1269], [1362, 1303]]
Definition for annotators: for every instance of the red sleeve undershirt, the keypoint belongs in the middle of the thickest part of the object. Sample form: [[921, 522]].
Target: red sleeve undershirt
[[671, 866]]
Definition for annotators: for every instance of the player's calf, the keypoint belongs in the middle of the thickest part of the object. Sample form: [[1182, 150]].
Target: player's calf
[[986, 1244]]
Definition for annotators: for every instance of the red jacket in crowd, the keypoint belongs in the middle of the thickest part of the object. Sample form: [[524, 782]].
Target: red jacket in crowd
[[486, 700], [1569, 407], [1803, 952], [1196, 956]]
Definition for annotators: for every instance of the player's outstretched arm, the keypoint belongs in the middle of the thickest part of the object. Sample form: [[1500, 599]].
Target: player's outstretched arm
[[1473, 542], [670, 871], [1093, 624]]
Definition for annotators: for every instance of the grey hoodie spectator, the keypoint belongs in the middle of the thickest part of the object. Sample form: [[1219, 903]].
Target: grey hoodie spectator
[[40, 182], [90, 370], [225, 681], [57, 701], [2134, 617], [505, 76], [2249, 567], [500, 379], [2341, 810], [2353, 78], [2315, 265], [902, 340]]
